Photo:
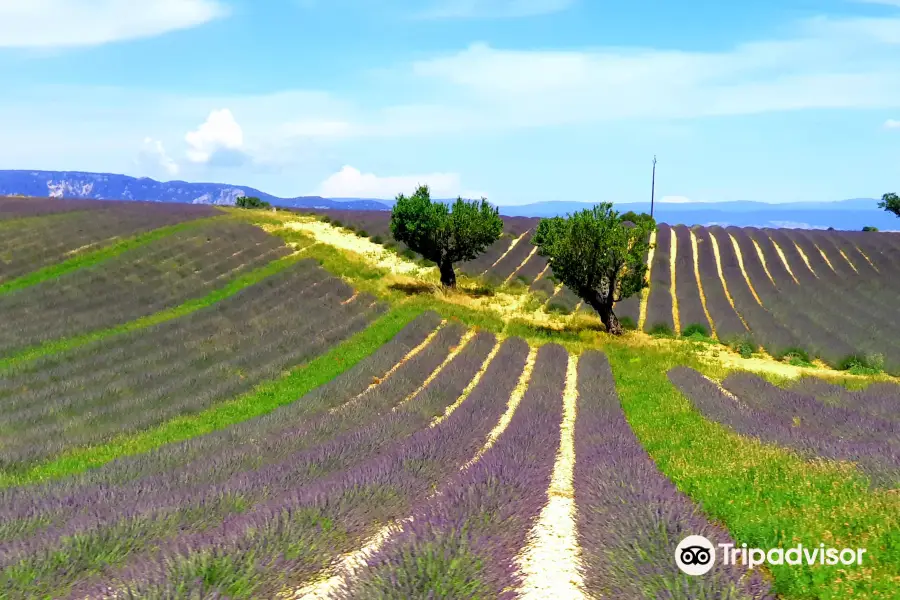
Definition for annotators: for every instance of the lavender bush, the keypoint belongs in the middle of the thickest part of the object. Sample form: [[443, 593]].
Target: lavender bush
[[631, 517]]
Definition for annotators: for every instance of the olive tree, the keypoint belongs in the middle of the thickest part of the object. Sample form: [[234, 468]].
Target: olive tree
[[444, 234], [598, 255], [250, 202], [890, 203]]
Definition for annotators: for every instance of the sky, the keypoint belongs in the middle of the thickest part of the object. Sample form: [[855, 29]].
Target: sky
[[516, 100]]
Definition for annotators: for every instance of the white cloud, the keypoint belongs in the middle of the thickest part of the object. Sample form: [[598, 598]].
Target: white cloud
[[675, 200], [351, 183], [493, 9], [892, 124], [218, 136], [55, 23], [153, 157]]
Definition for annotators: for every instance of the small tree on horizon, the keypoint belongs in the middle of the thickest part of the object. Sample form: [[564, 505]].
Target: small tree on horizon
[[598, 256], [250, 202], [890, 203], [445, 235]]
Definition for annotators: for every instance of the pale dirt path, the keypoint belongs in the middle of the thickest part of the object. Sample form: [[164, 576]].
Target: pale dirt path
[[551, 562], [375, 254]]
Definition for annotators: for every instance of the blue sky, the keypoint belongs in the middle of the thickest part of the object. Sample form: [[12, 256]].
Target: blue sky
[[517, 100]]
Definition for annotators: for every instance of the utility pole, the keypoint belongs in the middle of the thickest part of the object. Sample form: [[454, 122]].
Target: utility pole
[[653, 186]]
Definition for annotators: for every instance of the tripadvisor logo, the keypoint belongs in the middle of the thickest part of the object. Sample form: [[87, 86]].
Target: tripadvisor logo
[[696, 555]]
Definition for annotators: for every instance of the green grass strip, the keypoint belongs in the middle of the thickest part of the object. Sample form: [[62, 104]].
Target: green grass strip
[[765, 495], [263, 399], [230, 289], [89, 259]]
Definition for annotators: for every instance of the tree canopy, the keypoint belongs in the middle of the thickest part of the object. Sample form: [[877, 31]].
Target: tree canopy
[[250, 202], [443, 234], [598, 256], [890, 203], [633, 217]]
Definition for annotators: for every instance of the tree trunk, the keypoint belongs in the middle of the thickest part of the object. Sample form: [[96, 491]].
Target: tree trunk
[[604, 308], [448, 275]]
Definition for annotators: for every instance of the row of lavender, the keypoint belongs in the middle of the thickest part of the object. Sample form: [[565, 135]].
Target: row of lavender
[[269, 502], [862, 427], [832, 302], [139, 282], [630, 516], [133, 381], [27, 246]]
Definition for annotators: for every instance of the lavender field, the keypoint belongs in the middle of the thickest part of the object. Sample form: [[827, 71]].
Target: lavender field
[[297, 437]]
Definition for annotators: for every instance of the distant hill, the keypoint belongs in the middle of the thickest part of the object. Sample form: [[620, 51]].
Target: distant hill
[[108, 186], [851, 214]]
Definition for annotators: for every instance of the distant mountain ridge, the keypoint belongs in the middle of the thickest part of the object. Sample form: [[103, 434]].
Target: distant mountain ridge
[[851, 214], [108, 186]]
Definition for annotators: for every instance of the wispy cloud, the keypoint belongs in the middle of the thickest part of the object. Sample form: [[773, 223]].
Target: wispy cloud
[[892, 124], [61, 23], [493, 9], [351, 183]]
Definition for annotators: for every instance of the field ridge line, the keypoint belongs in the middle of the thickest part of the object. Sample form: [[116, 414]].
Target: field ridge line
[[464, 341], [805, 259], [229, 289], [695, 253], [847, 258], [866, 256], [262, 399], [740, 259], [673, 252], [521, 264], [784, 259], [718, 257], [512, 245], [89, 259], [551, 560], [645, 292], [468, 389], [326, 583], [824, 257], [406, 358], [762, 259]]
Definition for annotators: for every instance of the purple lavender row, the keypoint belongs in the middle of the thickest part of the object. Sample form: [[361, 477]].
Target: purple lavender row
[[690, 308], [464, 542], [861, 291], [880, 399], [191, 508], [659, 301], [765, 328], [805, 411], [139, 352], [835, 302], [139, 282], [845, 314], [287, 540], [631, 516], [509, 263], [15, 207], [194, 371], [137, 475], [37, 243], [878, 459], [812, 329], [728, 323], [35, 518]]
